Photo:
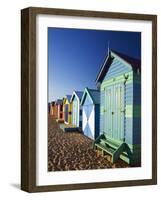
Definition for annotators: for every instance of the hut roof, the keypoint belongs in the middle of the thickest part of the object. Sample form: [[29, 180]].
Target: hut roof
[[79, 95], [68, 97], [59, 101], [133, 62], [93, 94], [52, 103]]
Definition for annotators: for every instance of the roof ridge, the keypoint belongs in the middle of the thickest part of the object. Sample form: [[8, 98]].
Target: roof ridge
[[123, 54], [77, 91], [135, 63], [94, 90]]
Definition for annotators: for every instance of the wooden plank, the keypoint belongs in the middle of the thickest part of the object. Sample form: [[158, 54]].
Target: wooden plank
[[107, 150]]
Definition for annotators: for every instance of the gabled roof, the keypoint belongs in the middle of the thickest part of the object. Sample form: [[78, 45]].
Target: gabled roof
[[52, 103], [59, 101], [93, 94], [78, 94], [134, 62], [67, 97], [131, 62]]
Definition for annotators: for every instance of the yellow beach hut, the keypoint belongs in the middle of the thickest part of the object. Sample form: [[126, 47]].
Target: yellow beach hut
[[67, 109]]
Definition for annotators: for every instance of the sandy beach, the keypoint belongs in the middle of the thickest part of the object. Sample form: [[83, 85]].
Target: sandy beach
[[74, 151]]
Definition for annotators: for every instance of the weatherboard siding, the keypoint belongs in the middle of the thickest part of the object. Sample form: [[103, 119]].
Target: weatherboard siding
[[117, 68], [137, 109], [129, 130], [137, 130], [121, 85], [97, 116], [102, 99]]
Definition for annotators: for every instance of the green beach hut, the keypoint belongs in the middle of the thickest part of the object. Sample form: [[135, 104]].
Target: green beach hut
[[119, 81]]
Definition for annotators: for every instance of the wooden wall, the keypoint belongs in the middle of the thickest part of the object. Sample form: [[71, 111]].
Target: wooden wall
[[132, 100]]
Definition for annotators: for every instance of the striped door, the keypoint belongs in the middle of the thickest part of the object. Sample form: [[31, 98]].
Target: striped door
[[114, 111], [88, 120]]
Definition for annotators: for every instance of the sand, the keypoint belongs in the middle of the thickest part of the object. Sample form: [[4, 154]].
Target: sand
[[74, 151]]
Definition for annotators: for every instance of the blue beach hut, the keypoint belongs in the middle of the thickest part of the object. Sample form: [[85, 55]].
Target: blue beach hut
[[119, 81], [90, 112]]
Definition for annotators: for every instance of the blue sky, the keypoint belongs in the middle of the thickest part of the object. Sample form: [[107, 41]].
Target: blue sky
[[76, 55]]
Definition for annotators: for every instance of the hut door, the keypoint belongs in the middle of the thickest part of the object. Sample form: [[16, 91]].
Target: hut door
[[85, 120], [119, 112], [74, 113], [66, 113], [114, 111], [88, 120], [108, 109]]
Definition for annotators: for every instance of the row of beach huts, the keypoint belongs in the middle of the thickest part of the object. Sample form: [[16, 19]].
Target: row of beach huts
[[78, 112], [111, 114]]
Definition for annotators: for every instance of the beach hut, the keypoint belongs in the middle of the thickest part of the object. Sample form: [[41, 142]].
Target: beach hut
[[90, 103], [76, 109], [60, 114], [119, 81], [67, 109], [53, 109]]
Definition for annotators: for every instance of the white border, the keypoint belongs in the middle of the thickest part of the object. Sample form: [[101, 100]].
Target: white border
[[104, 175]]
